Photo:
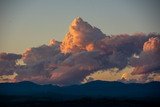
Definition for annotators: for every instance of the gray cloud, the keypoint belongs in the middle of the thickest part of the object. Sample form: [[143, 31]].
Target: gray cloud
[[8, 63], [149, 59]]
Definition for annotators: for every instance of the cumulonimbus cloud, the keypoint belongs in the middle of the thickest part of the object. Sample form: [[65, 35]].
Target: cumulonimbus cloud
[[84, 50]]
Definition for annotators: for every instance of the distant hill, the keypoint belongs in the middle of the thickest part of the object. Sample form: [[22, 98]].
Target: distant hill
[[95, 89], [95, 94]]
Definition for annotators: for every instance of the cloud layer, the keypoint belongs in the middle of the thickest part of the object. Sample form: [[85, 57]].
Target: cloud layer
[[84, 50]]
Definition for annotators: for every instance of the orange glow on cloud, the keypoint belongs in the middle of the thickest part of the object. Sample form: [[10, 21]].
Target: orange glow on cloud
[[8, 78], [124, 76], [153, 44], [52, 42], [81, 36], [90, 47]]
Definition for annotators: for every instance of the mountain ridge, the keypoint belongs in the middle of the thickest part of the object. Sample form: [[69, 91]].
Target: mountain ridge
[[95, 94], [91, 89]]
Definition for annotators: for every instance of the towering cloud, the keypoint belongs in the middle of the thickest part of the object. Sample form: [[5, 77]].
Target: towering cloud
[[81, 36], [84, 50]]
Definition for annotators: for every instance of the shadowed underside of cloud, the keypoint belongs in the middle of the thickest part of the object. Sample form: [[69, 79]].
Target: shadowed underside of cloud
[[84, 50]]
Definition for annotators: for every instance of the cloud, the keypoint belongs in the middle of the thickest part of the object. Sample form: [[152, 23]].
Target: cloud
[[53, 42], [8, 63], [81, 36], [32, 56], [76, 67], [149, 59], [8, 78], [40, 61], [9, 56], [84, 50], [153, 44]]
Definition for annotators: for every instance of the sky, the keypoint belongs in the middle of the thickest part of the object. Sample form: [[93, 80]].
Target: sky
[[31, 23]]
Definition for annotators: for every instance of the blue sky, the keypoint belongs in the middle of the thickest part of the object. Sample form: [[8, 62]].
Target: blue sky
[[31, 23]]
